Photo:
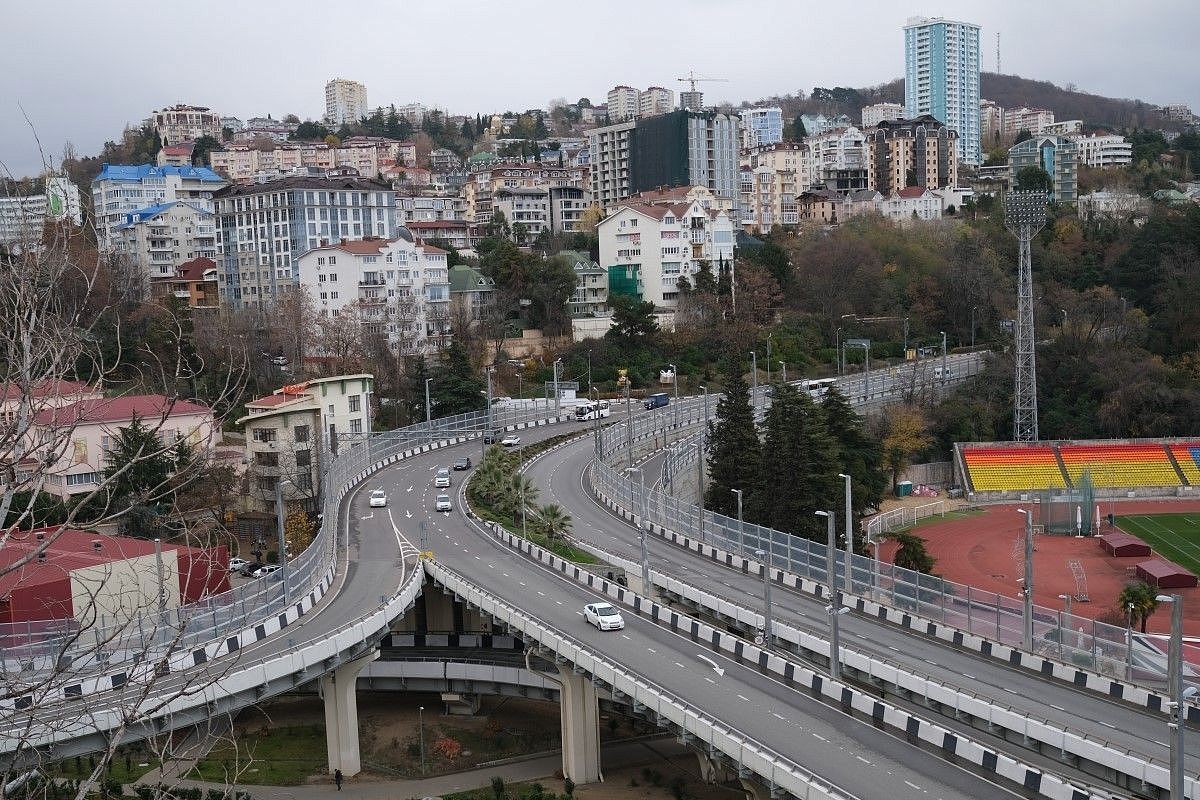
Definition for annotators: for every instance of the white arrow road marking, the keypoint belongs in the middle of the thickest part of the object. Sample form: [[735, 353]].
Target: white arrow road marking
[[409, 489], [368, 516], [719, 670], [408, 513]]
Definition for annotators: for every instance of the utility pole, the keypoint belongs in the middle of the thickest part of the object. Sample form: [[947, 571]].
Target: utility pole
[[1178, 695], [675, 381], [782, 364], [944, 376], [643, 528], [834, 609], [849, 584], [1027, 620], [765, 557], [282, 558], [741, 523], [768, 359], [488, 429], [753, 380], [557, 401], [700, 470], [628, 426], [428, 415]]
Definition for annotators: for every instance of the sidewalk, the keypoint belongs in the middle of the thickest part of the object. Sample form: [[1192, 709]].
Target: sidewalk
[[614, 756]]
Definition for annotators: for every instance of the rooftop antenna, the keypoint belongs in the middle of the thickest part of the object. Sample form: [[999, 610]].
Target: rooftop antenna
[[998, 52]]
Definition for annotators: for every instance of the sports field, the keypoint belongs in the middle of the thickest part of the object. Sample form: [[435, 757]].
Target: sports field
[[1175, 537]]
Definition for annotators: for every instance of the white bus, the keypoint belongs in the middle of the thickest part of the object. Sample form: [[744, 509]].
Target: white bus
[[817, 387], [592, 410]]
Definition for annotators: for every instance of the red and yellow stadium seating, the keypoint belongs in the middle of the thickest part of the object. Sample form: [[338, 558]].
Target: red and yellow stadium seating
[[1010, 469], [1119, 465], [1187, 455]]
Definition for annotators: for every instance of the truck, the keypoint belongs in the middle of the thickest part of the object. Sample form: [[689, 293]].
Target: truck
[[656, 400]]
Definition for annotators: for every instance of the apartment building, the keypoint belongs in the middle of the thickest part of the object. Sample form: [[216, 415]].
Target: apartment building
[[1062, 127], [184, 123], [1057, 155], [911, 152], [157, 239], [608, 154], [120, 189], [291, 432], [590, 298], [771, 179], [646, 248], [1025, 119], [837, 157], [529, 208], [429, 205], [687, 148], [459, 234], [345, 101], [398, 288], [265, 227], [567, 204], [23, 217], [816, 124], [991, 123], [655, 100], [761, 126], [484, 183], [941, 78], [624, 103], [1104, 151], [872, 115], [244, 163]]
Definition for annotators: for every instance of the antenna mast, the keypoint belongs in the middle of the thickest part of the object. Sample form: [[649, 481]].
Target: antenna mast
[[997, 52]]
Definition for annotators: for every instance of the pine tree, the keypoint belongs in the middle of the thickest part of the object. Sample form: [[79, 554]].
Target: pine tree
[[705, 282], [458, 389], [858, 454], [733, 447]]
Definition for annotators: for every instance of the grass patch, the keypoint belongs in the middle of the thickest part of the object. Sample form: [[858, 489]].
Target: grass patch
[[126, 767], [558, 547], [272, 757], [512, 791], [1175, 537]]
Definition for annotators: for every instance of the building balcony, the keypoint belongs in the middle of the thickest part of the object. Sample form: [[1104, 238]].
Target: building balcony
[[371, 282]]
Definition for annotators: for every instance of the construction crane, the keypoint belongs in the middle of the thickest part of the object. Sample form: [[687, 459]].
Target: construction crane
[[692, 80]]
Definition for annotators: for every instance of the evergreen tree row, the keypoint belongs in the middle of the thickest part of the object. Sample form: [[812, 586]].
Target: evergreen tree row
[[787, 467]]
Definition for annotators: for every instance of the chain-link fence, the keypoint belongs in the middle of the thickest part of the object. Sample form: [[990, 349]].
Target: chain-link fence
[[1116, 651]]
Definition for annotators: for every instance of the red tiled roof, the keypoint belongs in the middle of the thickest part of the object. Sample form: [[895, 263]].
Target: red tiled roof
[[194, 270], [657, 211], [49, 388], [372, 246], [909, 192], [437, 224], [119, 409], [431, 250]]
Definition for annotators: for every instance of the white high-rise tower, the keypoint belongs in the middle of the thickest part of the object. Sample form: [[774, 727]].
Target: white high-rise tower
[[941, 77]]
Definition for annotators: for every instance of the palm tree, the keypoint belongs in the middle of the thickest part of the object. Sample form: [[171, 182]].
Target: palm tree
[[1142, 597], [522, 492], [556, 523]]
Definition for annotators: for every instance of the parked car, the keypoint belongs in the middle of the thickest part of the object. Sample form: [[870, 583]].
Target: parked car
[[280, 361], [265, 570], [442, 479], [236, 564], [512, 440], [603, 616], [378, 499], [462, 463], [249, 568], [442, 503]]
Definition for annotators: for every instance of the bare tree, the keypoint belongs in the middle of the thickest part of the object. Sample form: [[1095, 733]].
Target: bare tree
[[339, 337]]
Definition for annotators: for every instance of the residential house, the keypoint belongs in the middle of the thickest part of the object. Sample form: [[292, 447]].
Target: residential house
[[1104, 151], [470, 292], [184, 123], [74, 440], [159, 238], [874, 114], [590, 298], [911, 152], [291, 433], [1057, 155], [194, 282], [911, 203], [119, 190], [23, 217], [459, 234]]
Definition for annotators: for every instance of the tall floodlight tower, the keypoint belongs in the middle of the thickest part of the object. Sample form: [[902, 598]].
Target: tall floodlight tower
[[1024, 216]]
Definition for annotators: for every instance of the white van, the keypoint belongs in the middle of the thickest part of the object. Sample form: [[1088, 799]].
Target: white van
[[946, 372]]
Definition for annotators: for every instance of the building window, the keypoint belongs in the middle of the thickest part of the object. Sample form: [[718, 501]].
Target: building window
[[303, 458], [264, 434], [354, 403], [301, 433], [83, 479], [356, 426]]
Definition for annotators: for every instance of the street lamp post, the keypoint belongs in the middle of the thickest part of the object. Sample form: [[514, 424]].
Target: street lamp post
[[1178, 695], [944, 377], [768, 358], [906, 338], [421, 726], [741, 523], [973, 309], [834, 609], [428, 411], [282, 558], [784, 371], [628, 426], [700, 470], [1027, 617], [764, 558], [837, 346], [675, 382], [849, 584], [483, 439], [753, 379], [557, 399], [1129, 641], [1064, 629], [643, 527]]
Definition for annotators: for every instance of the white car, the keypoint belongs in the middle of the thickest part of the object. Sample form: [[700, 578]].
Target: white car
[[442, 503], [442, 479], [603, 616], [264, 571], [512, 440], [236, 564], [378, 499]]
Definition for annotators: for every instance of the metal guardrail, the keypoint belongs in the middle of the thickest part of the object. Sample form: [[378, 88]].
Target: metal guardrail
[[50, 645]]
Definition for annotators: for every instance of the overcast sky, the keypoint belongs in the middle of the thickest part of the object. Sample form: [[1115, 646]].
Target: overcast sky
[[81, 70]]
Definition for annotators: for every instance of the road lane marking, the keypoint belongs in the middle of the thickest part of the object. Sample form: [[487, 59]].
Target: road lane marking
[[710, 680], [860, 758], [819, 736], [651, 649], [913, 785], [681, 666], [743, 698], [778, 716]]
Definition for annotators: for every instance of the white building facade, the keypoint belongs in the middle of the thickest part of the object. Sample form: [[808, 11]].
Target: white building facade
[[608, 152], [395, 287], [159, 238], [23, 217], [184, 123], [941, 78], [761, 126], [624, 103], [872, 115], [1104, 151], [345, 101], [655, 100], [646, 248]]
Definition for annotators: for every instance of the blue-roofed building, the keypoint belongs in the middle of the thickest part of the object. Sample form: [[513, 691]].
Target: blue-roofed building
[[121, 189], [160, 237]]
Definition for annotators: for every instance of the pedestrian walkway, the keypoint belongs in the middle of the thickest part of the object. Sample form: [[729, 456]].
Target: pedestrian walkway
[[615, 755]]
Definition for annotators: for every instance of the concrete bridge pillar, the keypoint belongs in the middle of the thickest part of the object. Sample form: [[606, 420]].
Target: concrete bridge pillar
[[755, 790], [711, 771], [580, 719], [341, 715]]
